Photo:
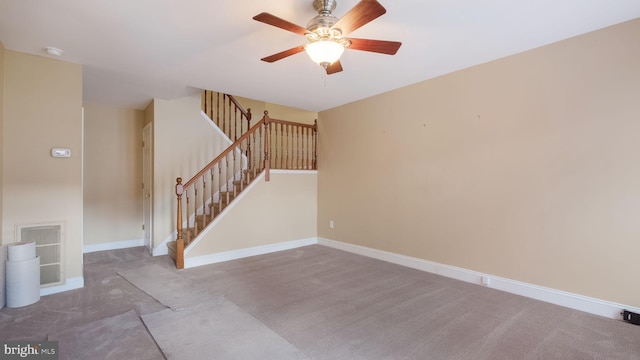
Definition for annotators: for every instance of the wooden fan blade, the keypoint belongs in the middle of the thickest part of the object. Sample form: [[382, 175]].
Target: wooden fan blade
[[280, 23], [359, 15], [283, 54], [334, 68], [378, 46]]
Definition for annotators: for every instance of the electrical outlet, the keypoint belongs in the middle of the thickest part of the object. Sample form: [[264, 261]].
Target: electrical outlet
[[631, 317], [330, 224]]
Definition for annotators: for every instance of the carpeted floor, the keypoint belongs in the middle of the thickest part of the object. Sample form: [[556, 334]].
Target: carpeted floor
[[315, 303], [217, 329], [167, 287], [117, 337]]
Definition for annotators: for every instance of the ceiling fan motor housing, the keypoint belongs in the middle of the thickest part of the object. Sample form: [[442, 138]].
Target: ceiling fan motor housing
[[321, 25], [324, 6]]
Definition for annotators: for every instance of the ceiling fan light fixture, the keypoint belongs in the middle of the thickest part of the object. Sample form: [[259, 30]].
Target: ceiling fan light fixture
[[327, 34], [324, 52]]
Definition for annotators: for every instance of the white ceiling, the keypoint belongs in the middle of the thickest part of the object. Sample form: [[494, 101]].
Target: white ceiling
[[136, 50]]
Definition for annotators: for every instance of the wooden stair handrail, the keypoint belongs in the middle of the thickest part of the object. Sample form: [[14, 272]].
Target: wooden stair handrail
[[269, 157], [285, 122], [224, 153], [193, 186], [221, 109], [246, 113], [294, 146]]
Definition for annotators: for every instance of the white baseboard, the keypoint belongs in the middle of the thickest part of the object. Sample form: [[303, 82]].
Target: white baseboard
[[162, 249], [221, 215], [297, 172], [113, 245], [574, 301], [242, 253], [70, 284]]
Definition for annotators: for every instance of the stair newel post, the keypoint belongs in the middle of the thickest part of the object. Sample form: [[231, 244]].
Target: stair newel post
[[267, 135], [315, 144], [179, 239]]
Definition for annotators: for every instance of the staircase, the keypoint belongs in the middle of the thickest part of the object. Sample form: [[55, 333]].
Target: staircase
[[269, 143]]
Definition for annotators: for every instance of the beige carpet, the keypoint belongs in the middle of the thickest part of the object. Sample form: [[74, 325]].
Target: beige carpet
[[168, 288], [313, 301], [114, 338], [335, 305], [329, 304], [198, 325], [217, 329]]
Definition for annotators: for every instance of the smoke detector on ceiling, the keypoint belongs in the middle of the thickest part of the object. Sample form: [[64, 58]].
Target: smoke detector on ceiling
[[53, 51]]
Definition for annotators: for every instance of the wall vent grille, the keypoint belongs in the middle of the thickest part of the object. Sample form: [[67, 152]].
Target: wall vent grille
[[48, 239]]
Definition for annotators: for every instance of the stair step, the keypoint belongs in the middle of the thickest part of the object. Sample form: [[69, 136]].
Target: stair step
[[223, 196], [185, 230], [223, 202]]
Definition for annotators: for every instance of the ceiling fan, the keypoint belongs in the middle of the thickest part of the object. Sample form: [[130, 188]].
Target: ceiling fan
[[327, 34]]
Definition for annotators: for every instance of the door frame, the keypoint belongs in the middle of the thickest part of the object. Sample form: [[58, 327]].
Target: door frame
[[147, 186]]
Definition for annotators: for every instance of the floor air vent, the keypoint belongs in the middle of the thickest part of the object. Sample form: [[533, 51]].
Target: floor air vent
[[48, 239]]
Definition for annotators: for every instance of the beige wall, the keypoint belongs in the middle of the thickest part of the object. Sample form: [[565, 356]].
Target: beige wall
[[525, 167], [112, 174], [276, 111], [42, 110], [148, 114], [1, 144], [283, 209], [291, 114], [257, 108], [180, 133]]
